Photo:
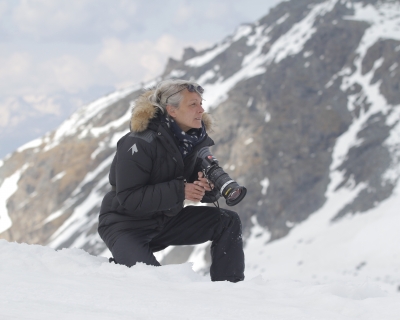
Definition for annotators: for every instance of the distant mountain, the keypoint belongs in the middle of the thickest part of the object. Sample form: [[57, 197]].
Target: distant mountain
[[306, 103], [26, 117]]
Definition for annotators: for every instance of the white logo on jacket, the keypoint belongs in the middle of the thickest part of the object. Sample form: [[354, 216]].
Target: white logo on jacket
[[133, 148]]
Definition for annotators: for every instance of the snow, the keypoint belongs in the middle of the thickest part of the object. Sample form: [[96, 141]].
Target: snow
[[265, 184], [103, 145], [393, 67], [58, 176], [283, 18], [40, 283], [124, 120], [242, 31], [208, 75], [257, 36], [347, 269], [208, 56], [80, 220], [177, 73], [7, 189], [307, 54], [255, 63], [82, 118], [90, 176], [384, 23], [361, 248], [217, 93], [294, 40], [259, 40], [250, 102], [248, 141], [198, 256], [392, 143], [30, 145], [100, 148]]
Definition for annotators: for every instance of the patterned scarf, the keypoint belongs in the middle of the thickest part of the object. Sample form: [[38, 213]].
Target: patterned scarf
[[186, 140]]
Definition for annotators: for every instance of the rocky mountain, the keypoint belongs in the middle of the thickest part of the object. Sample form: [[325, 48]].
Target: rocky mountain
[[306, 104]]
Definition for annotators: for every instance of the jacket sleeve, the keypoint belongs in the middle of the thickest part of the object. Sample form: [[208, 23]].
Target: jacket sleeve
[[133, 168]]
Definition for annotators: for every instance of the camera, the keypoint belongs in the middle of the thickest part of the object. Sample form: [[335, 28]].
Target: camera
[[229, 188]]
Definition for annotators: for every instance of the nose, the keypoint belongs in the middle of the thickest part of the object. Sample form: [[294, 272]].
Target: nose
[[201, 109]]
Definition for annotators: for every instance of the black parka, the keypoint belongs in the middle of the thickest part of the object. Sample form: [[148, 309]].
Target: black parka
[[147, 176]]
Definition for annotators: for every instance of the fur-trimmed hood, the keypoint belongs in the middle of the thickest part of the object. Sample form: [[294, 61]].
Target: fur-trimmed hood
[[144, 111]]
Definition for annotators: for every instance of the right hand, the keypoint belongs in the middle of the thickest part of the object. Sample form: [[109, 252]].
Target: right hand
[[194, 192]]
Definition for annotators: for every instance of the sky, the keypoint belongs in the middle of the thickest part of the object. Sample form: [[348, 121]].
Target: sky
[[58, 55]]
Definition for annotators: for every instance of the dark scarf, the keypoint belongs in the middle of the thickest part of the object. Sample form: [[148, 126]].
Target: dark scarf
[[186, 140]]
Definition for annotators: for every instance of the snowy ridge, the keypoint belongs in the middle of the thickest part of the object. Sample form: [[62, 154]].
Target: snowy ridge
[[81, 119], [361, 246], [207, 57], [367, 244], [384, 20], [256, 62], [80, 221], [384, 24], [30, 145], [71, 284], [293, 41]]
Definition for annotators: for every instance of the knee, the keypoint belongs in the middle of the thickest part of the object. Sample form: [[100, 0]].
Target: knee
[[231, 218]]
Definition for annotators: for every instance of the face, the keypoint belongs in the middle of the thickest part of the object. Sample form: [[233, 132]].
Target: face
[[190, 111]]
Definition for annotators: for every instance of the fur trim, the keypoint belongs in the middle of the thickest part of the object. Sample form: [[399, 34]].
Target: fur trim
[[144, 111], [208, 121]]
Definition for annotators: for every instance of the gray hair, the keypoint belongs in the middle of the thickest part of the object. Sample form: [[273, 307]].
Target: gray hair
[[169, 89]]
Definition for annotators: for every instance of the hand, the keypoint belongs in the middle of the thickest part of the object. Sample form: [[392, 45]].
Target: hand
[[203, 182], [195, 191]]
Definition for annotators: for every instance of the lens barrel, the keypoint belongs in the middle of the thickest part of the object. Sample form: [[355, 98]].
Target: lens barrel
[[229, 188]]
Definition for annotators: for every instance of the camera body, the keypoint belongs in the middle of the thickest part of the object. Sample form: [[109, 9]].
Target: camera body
[[229, 188]]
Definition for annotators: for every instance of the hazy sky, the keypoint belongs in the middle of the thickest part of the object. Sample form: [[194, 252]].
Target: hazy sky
[[57, 54]]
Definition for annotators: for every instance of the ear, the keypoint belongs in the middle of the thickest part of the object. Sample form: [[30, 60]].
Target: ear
[[171, 110]]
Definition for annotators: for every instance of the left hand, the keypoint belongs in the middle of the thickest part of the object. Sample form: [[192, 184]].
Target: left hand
[[203, 182]]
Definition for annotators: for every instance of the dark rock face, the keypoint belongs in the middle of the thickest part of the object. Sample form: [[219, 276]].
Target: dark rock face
[[285, 96]]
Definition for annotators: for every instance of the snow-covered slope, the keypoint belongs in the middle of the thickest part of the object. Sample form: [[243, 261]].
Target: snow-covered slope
[[40, 283], [312, 94], [362, 247]]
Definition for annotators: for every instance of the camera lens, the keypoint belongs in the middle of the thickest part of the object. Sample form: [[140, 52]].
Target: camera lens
[[229, 188], [234, 195]]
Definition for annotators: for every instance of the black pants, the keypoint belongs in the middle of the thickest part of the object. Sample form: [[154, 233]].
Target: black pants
[[193, 225]]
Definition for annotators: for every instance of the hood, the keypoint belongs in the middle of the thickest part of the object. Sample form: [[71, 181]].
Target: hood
[[144, 111]]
